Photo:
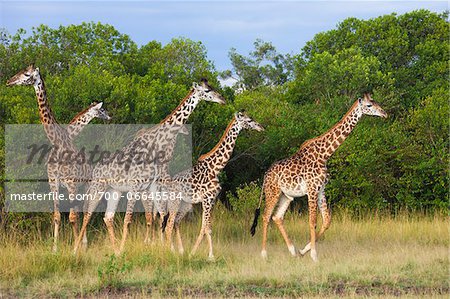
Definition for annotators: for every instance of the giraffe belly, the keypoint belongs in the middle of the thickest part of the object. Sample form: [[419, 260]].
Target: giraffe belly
[[296, 190]]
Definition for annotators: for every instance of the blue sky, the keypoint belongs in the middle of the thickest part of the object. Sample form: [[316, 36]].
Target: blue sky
[[219, 25]]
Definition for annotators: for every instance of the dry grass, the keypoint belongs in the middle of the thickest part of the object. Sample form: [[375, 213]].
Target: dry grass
[[372, 257]]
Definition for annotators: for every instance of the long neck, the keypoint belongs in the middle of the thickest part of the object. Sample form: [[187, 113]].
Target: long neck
[[330, 141], [78, 123], [181, 114], [55, 133], [45, 112], [168, 149], [219, 156]]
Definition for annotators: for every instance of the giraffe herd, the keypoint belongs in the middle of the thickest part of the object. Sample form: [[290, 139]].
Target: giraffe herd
[[305, 173]]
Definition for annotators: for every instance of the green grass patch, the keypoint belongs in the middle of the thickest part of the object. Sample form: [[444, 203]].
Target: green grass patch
[[367, 257]]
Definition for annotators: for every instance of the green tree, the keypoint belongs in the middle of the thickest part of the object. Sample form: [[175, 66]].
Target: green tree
[[263, 67], [412, 48]]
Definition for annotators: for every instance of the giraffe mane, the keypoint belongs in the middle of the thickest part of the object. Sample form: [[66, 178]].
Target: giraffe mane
[[179, 105], [204, 156], [308, 142]]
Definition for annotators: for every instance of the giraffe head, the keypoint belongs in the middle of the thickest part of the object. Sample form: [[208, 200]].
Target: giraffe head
[[27, 76], [370, 107], [205, 92], [98, 111], [246, 122]]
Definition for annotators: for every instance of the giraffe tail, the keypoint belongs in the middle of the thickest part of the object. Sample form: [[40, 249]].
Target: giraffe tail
[[257, 212], [164, 223]]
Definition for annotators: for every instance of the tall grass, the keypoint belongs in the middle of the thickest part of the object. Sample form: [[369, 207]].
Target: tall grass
[[372, 256]]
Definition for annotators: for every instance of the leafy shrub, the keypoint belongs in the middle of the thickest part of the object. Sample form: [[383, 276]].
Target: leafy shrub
[[112, 272], [246, 199]]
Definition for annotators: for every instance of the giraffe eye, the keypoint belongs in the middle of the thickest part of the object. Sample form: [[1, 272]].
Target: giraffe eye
[[369, 105]]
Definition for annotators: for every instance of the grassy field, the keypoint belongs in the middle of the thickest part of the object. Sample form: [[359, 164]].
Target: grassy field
[[373, 257]]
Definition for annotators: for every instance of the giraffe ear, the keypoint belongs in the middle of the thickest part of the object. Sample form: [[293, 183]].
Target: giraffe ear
[[194, 85], [360, 101]]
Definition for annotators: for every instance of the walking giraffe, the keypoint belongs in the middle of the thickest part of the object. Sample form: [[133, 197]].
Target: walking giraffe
[[58, 170], [201, 184], [154, 144], [305, 173]]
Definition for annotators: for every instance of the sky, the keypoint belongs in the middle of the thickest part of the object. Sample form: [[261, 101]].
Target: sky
[[219, 25]]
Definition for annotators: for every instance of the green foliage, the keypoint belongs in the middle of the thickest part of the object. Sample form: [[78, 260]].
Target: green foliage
[[347, 73], [111, 272], [393, 164], [412, 48], [263, 67], [246, 199]]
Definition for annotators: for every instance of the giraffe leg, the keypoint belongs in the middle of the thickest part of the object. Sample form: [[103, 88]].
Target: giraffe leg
[[154, 228], [56, 222], [89, 207], [113, 198], [278, 219], [54, 187], [84, 243], [312, 206], [162, 215], [149, 232], [179, 240], [206, 229], [173, 207], [148, 207], [326, 219], [73, 219], [73, 214], [169, 229], [127, 221], [272, 196], [183, 210]]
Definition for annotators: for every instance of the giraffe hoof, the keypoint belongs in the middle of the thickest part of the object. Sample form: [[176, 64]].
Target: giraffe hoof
[[264, 254], [292, 251], [314, 256], [211, 258]]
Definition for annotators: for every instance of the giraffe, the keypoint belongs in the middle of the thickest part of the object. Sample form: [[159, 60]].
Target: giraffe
[[201, 184], [61, 139], [79, 121], [305, 173], [76, 125], [115, 177], [151, 212]]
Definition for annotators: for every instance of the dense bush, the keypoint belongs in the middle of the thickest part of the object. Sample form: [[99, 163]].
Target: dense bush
[[398, 163]]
